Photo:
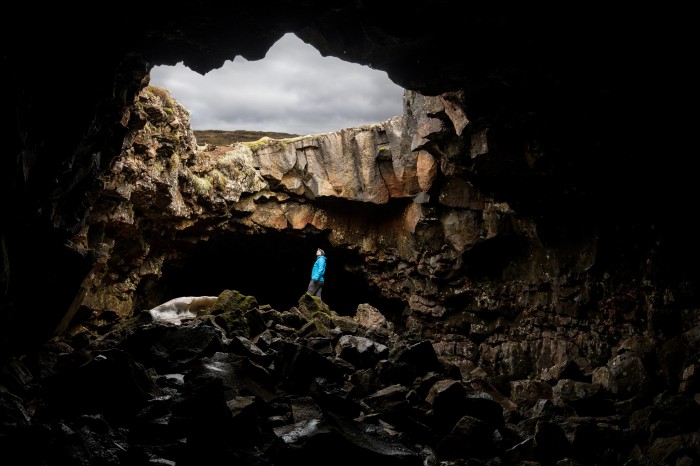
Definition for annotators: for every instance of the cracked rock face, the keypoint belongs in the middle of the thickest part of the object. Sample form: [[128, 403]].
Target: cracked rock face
[[163, 190]]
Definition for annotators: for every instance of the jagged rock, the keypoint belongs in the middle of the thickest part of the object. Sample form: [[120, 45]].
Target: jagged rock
[[550, 443], [470, 438], [587, 399], [526, 393], [191, 389], [679, 449], [361, 352], [624, 375]]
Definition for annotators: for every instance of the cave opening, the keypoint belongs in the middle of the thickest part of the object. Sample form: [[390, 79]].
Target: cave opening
[[263, 95], [273, 267]]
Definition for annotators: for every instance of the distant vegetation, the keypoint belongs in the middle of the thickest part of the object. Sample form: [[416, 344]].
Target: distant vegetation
[[224, 138]]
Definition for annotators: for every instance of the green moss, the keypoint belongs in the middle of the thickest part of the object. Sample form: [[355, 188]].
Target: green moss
[[160, 93], [266, 142], [229, 160], [314, 308], [148, 128], [201, 186], [174, 161], [217, 178], [233, 324], [232, 300], [230, 313], [315, 328], [274, 144], [233, 167]]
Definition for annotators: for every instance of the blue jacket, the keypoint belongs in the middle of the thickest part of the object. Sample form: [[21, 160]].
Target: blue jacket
[[319, 268]]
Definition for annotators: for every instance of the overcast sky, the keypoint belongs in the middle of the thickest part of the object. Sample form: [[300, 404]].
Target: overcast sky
[[292, 90]]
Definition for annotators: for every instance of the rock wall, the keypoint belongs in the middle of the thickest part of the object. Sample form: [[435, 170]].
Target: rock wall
[[498, 292]]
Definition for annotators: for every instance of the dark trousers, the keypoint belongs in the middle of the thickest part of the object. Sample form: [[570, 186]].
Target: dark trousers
[[315, 288]]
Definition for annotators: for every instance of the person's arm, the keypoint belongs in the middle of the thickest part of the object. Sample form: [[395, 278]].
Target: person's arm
[[321, 267], [315, 271]]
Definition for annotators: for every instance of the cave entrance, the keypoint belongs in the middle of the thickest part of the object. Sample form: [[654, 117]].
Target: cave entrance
[[264, 95], [275, 268]]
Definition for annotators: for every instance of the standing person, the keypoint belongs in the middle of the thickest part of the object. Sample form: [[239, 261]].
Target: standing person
[[317, 272]]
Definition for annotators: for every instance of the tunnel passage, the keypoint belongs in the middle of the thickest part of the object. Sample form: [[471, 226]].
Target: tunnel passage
[[274, 268]]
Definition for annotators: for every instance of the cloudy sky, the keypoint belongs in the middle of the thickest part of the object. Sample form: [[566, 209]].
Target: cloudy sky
[[292, 90]]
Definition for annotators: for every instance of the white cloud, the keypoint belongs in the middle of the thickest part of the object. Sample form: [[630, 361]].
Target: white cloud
[[292, 90]]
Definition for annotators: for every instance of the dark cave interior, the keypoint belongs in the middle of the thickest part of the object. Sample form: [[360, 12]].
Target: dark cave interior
[[275, 268]]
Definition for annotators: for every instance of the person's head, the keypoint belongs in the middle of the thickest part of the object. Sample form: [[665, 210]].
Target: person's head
[[320, 252]]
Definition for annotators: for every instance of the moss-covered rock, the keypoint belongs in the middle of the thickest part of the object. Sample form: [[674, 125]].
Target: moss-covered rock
[[312, 307], [233, 301], [319, 316], [230, 313]]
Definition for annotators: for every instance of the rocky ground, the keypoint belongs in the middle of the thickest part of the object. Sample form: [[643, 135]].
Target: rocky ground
[[239, 383]]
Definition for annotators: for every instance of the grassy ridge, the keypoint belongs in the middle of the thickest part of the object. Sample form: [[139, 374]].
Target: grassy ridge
[[223, 138]]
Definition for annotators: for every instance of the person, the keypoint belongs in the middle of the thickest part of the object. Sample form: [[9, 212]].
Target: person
[[317, 273]]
